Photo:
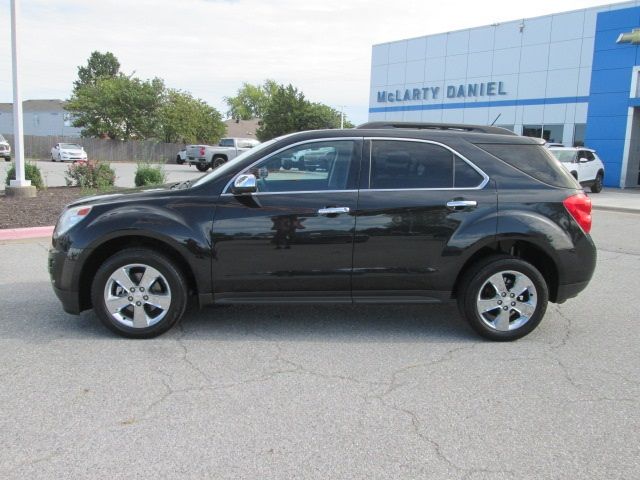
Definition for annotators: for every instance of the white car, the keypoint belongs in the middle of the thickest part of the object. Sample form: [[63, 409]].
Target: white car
[[583, 163], [68, 152], [5, 149], [181, 157]]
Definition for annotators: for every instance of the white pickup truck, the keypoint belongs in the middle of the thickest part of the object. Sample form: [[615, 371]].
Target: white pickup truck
[[205, 157]]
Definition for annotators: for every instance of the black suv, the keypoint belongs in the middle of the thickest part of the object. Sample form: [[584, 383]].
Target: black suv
[[402, 213]]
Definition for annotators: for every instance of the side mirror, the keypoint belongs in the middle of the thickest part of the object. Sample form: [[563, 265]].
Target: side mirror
[[245, 183]]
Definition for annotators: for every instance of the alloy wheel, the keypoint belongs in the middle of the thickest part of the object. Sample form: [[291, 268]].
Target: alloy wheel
[[137, 296], [507, 300]]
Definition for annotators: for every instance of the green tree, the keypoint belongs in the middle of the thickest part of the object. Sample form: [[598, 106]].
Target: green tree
[[288, 111], [251, 100], [99, 65], [119, 107], [320, 116], [185, 119]]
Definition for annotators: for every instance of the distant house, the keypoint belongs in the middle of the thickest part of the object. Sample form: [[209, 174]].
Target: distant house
[[40, 117], [242, 128]]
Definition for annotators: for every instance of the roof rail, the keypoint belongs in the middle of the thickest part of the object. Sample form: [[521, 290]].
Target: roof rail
[[437, 126]]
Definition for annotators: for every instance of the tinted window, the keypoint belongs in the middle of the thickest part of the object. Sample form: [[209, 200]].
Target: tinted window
[[588, 155], [226, 142], [465, 176], [533, 160], [329, 165], [401, 164]]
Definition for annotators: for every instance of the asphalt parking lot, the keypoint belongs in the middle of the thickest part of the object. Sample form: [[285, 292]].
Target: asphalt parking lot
[[324, 392]]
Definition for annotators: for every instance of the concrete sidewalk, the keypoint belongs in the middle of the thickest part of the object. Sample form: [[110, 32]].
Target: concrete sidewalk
[[617, 200]]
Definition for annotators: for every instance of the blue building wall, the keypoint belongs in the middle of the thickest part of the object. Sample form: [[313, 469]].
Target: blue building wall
[[609, 94]]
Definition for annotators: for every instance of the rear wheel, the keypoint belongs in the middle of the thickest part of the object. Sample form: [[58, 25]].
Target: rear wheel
[[218, 161], [53, 158], [597, 184], [203, 167], [139, 293], [503, 298]]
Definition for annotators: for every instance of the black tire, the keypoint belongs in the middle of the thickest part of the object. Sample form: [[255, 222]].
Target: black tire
[[473, 287], [218, 161], [179, 160], [53, 159], [203, 167], [7, 159], [144, 257], [575, 175], [597, 184]]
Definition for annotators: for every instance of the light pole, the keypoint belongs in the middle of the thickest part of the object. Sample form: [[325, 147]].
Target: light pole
[[342, 116], [20, 186]]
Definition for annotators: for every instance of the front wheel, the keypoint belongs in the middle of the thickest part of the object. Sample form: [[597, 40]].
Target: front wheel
[[179, 160], [203, 167], [597, 184], [503, 298], [139, 293]]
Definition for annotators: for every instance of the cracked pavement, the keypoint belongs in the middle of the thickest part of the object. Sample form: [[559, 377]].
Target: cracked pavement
[[321, 391]]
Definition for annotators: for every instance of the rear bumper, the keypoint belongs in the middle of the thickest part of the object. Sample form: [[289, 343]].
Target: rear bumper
[[570, 290]]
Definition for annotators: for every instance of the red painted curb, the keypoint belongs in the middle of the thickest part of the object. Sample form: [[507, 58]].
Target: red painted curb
[[22, 233]]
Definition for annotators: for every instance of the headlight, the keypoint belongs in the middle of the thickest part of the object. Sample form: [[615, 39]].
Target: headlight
[[69, 218]]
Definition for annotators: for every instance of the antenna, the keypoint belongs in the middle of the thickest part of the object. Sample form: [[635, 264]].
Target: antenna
[[496, 119]]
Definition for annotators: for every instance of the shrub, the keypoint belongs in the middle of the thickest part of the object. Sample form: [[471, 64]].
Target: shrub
[[147, 174], [90, 175], [31, 172]]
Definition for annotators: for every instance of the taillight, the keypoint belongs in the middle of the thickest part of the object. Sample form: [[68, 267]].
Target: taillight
[[202, 151], [579, 206]]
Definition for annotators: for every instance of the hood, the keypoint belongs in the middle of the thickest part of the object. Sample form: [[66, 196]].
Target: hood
[[128, 195]]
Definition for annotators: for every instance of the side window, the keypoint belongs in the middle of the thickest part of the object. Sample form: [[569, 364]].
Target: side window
[[330, 165], [403, 164], [465, 176], [589, 155]]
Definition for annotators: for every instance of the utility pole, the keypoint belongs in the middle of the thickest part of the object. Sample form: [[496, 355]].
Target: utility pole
[[20, 187]]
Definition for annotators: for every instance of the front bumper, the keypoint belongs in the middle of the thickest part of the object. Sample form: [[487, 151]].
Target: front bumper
[[63, 270]]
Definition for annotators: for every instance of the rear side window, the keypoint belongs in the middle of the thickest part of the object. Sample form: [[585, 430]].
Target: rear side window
[[410, 165], [534, 160]]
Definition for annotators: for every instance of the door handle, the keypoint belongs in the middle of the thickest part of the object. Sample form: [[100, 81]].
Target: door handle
[[461, 204], [333, 210]]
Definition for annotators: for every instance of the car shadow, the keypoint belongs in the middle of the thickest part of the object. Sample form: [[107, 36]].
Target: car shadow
[[41, 319]]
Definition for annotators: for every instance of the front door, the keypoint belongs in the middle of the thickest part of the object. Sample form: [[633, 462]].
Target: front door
[[293, 238], [416, 199]]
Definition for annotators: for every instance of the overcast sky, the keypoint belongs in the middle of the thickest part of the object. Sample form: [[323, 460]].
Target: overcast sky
[[209, 47]]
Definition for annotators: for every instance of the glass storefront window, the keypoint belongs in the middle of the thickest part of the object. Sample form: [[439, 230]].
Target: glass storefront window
[[551, 133]]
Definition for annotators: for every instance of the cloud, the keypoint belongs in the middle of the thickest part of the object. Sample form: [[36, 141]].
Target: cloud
[[210, 47]]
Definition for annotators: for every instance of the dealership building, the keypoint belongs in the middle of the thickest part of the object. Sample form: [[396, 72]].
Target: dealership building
[[570, 77]]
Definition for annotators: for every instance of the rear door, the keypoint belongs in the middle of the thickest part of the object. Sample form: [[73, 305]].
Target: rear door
[[293, 238], [415, 199]]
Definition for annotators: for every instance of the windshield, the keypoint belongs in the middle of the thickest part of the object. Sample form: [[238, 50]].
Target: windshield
[[565, 156], [71, 146], [230, 165], [2, 138]]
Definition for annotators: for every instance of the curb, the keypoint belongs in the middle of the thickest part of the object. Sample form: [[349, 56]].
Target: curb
[[607, 208], [24, 233]]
